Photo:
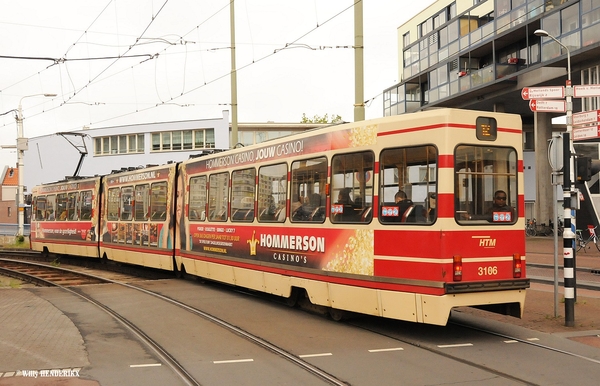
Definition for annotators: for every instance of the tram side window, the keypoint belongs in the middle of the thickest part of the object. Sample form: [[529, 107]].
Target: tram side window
[[112, 209], [485, 185], [352, 187], [158, 201], [272, 193], [86, 204], [309, 178], [61, 206], [197, 208], [72, 206], [126, 203], [40, 208], [408, 185], [218, 197], [142, 202], [243, 183], [51, 207]]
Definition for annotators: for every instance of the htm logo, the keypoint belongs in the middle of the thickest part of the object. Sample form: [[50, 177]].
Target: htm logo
[[487, 243]]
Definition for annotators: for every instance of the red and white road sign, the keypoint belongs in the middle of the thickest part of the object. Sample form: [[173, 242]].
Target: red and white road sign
[[529, 93], [587, 132], [586, 90], [544, 105], [586, 117]]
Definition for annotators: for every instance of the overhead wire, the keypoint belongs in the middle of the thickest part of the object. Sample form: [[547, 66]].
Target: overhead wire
[[138, 42]]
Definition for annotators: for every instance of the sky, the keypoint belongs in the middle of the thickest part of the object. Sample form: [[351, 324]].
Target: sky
[[120, 62]]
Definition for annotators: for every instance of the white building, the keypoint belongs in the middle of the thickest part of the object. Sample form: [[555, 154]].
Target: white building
[[53, 157]]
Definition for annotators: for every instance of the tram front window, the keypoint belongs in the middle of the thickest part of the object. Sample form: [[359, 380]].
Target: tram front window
[[485, 185]]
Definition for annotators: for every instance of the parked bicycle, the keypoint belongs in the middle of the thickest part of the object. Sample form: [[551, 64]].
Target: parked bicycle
[[560, 226], [584, 243], [530, 227]]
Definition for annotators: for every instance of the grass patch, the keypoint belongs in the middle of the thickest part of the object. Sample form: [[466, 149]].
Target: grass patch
[[19, 242]]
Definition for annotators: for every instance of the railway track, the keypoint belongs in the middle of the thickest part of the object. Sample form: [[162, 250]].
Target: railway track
[[465, 328], [46, 275], [66, 279]]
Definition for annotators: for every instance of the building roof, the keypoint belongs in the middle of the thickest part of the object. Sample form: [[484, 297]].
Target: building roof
[[10, 177]]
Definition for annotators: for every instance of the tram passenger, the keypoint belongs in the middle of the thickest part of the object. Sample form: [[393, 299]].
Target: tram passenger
[[431, 206], [344, 197], [296, 203], [405, 207], [347, 213], [499, 204]]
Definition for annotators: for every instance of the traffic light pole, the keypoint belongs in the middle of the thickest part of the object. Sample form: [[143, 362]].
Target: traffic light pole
[[568, 235]]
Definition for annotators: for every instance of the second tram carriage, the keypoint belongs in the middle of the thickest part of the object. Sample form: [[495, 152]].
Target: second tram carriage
[[391, 217]]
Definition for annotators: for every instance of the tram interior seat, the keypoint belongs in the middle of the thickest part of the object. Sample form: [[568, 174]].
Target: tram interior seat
[[318, 214], [264, 215], [419, 213], [367, 214], [239, 214], [409, 214], [348, 214]]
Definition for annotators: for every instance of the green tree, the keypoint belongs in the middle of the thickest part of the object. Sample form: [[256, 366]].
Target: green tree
[[323, 119]]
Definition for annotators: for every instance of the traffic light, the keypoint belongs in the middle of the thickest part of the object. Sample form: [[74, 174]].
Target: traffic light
[[584, 168]]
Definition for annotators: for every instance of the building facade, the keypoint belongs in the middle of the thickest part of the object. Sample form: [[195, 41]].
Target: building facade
[[99, 151], [9, 180], [480, 54]]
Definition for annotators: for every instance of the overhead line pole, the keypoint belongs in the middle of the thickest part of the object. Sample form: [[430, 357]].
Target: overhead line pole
[[234, 106], [359, 81]]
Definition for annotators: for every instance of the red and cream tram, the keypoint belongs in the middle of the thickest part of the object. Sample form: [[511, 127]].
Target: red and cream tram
[[65, 216], [393, 217]]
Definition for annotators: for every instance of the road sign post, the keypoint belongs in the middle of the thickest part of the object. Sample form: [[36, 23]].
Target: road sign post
[[556, 106]]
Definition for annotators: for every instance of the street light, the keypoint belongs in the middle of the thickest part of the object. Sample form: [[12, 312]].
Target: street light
[[21, 147], [568, 194], [568, 89]]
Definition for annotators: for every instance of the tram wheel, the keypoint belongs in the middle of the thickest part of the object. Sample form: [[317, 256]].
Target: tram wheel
[[292, 300], [337, 315]]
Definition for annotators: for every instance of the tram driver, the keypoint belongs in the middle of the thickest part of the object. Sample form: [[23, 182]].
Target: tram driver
[[499, 205]]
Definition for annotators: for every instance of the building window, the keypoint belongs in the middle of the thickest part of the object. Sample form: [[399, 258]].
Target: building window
[[406, 39], [183, 140], [119, 144], [9, 211]]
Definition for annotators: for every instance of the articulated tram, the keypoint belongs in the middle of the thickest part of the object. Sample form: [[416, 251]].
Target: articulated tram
[[391, 217]]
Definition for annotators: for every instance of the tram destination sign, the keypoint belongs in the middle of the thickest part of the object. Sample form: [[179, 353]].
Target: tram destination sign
[[556, 106], [529, 93], [586, 90]]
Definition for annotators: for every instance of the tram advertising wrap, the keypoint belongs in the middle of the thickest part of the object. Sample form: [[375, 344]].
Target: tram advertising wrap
[[404, 217]]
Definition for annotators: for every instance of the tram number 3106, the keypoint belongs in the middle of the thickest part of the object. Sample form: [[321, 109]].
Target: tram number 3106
[[487, 271]]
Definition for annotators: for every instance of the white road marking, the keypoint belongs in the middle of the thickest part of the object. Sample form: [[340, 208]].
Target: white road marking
[[233, 361], [387, 349], [511, 341], [455, 345], [147, 365], [326, 354], [532, 339]]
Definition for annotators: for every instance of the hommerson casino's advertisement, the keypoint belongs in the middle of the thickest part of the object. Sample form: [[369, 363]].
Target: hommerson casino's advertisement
[[340, 250]]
